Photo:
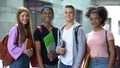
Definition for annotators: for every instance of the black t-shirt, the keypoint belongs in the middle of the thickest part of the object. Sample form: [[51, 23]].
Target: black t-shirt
[[39, 36]]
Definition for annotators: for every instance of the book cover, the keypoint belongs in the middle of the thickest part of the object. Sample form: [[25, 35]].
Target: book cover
[[49, 42], [28, 44]]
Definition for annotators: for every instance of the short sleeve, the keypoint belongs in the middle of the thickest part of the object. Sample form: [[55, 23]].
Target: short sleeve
[[110, 35], [37, 35]]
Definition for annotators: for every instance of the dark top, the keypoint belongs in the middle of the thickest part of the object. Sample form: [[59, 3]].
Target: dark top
[[39, 36]]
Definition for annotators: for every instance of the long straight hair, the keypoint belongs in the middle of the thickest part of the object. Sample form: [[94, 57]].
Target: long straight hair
[[28, 26]]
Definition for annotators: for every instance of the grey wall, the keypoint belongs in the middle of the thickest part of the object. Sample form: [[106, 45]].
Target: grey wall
[[8, 10], [8, 15]]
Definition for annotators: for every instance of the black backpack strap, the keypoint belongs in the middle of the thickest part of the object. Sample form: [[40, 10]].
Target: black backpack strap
[[55, 33], [76, 33]]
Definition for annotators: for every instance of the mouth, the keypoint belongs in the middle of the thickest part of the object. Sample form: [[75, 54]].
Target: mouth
[[47, 18]]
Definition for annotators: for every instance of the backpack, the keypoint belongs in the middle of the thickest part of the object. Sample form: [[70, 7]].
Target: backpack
[[76, 32], [117, 54], [117, 57], [5, 56], [34, 61]]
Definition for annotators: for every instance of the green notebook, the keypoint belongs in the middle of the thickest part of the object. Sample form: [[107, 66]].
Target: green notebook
[[49, 42]]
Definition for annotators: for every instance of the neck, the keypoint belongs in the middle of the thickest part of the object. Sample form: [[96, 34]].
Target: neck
[[98, 29], [47, 24], [68, 25]]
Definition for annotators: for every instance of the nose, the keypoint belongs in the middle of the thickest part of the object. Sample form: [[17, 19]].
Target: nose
[[25, 17]]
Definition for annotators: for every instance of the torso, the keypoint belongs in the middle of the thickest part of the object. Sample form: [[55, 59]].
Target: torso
[[96, 41]]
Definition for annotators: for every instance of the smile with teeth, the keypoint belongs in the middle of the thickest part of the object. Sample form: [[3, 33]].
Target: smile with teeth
[[47, 18]]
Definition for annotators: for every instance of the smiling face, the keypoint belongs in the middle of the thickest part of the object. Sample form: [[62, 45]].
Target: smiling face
[[47, 15], [24, 17], [95, 20], [69, 14]]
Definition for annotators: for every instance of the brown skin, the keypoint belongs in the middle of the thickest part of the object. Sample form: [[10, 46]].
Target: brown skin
[[95, 21], [38, 53], [112, 53], [47, 16]]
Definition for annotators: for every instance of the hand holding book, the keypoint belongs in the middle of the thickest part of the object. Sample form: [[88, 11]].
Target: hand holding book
[[49, 42], [62, 49], [28, 47], [62, 43], [52, 55], [28, 44], [50, 46]]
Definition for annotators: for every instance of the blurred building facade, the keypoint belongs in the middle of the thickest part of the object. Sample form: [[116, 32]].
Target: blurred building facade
[[8, 10]]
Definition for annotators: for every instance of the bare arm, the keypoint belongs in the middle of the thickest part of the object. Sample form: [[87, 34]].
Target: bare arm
[[38, 53], [112, 53]]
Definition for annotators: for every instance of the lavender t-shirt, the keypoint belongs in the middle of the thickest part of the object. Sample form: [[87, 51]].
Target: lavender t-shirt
[[13, 49]]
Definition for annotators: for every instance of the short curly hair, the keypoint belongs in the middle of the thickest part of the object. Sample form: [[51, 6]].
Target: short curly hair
[[100, 10]]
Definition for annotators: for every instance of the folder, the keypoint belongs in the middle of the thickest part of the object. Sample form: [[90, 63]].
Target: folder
[[50, 42]]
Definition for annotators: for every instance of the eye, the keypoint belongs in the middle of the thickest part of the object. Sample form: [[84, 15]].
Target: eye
[[50, 13], [65, 12]]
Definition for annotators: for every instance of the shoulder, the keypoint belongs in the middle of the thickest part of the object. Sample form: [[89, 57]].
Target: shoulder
[[77, 25], [110, 35], [36, 30], [55, 28], [109, 32], [89, 33], [13, 29]]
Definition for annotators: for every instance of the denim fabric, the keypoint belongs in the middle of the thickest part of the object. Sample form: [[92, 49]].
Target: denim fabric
[[64, 66], [99, 62], [21, 62], [48, 66]]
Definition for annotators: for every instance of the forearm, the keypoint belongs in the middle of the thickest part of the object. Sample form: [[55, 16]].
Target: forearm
[[112, 53], [40, 62], [38, 53], [111, 61], [15, 51]]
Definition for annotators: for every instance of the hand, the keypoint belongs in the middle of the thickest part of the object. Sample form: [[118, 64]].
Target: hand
[[63, 44], [51, 54], [61, 50], [28, 52]]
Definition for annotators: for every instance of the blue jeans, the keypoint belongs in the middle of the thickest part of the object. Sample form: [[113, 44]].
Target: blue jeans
[[21, 62], [48, 66], [99, 62], [64, 66]]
